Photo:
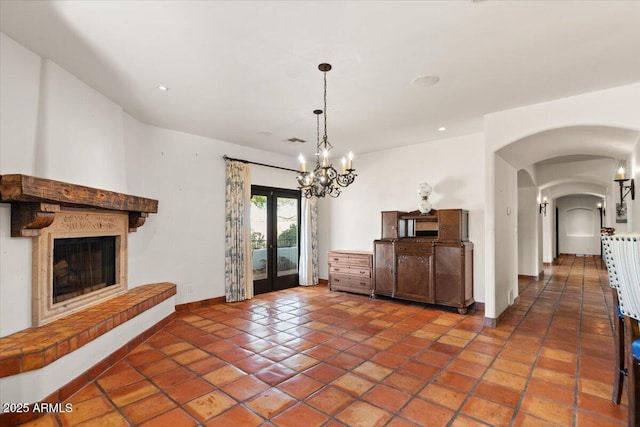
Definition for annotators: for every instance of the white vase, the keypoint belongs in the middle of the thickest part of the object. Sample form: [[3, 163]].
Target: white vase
[[424, 190], [424, 206]]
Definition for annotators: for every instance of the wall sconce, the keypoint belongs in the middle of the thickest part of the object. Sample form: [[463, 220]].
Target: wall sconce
[[601, 209], [625, 190], [543, 206]]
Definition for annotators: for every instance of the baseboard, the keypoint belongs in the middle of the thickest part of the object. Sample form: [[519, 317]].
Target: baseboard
[[494, 322], [526, 276], [201, 303], [219, 300]]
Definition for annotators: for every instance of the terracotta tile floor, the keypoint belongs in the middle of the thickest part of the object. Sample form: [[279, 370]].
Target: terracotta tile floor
[[309, 357]]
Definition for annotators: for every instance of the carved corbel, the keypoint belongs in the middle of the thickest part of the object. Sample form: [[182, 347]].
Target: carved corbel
[[136, 219], [27, 219]]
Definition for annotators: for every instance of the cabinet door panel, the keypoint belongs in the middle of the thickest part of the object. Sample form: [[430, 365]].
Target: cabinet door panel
[[414, 276], [450, 224], [390, 225], [448, 275], [383, 268]]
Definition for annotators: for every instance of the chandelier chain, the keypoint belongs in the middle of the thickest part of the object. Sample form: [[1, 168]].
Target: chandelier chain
[[325, 111], [318, 138]]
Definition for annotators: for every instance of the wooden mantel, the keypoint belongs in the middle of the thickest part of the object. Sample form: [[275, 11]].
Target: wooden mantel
[[34, 202]]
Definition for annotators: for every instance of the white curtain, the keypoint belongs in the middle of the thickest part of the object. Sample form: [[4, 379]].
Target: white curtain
[[308, 270], [238, 259]]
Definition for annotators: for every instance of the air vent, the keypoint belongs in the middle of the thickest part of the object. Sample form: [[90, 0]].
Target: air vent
[[296, 140]]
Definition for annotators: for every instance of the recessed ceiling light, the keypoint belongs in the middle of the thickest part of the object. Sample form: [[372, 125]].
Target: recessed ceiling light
[[163, 88], [442, 128], [425, 81]]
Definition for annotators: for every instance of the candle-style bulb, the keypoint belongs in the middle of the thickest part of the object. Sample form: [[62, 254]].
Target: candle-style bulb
[[303, 165], [621, 173], [344, 166], [350, 160]]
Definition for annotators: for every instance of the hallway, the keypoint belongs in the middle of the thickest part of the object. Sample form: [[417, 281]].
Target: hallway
[[332, 358]]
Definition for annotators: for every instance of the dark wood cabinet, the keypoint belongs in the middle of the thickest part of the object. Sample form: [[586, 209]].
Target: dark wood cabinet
[[414, 264], [453, 274], [425, 258], [383, 267]]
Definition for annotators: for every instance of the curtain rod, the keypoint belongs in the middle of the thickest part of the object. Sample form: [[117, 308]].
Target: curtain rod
[[225, 157]]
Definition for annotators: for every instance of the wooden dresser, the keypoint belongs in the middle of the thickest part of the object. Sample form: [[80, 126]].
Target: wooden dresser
[[425, 258], [351, 271]]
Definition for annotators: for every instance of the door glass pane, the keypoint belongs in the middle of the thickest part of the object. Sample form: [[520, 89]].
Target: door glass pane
[[259, 236], [287, 235]]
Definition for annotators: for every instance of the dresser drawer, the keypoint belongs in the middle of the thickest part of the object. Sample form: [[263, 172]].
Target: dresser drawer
[[350, 283], [350, 260], [414, 249], [350, 271]]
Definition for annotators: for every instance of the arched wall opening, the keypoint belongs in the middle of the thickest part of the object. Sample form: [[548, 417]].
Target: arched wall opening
[[600, 123], [529, 226]]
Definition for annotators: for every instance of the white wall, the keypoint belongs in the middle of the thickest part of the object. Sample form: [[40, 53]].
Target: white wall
[[578, 225], [506, 235], [76, 122], [529, 261], [616, 107], [55, 126], [19, 93], [184, 242], [548, 229], [597, 172], [388, 180]]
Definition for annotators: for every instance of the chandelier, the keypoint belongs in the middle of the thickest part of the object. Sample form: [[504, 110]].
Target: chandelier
[[324, 179]]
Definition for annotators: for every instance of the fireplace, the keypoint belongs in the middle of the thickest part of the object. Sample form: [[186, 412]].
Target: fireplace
[[82, 265], [79, 237], [79, 260]]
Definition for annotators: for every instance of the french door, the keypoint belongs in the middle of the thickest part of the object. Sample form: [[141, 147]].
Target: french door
[[275, 237]]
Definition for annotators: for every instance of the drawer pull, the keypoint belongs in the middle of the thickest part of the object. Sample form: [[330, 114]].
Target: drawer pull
[[336, 269], [336, 280], [363, 272], [363, 283]]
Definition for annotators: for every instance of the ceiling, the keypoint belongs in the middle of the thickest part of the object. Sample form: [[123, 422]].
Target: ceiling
[[246, 71]]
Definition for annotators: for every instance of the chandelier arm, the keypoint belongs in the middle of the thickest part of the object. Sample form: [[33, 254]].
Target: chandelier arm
[[347, 179]]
